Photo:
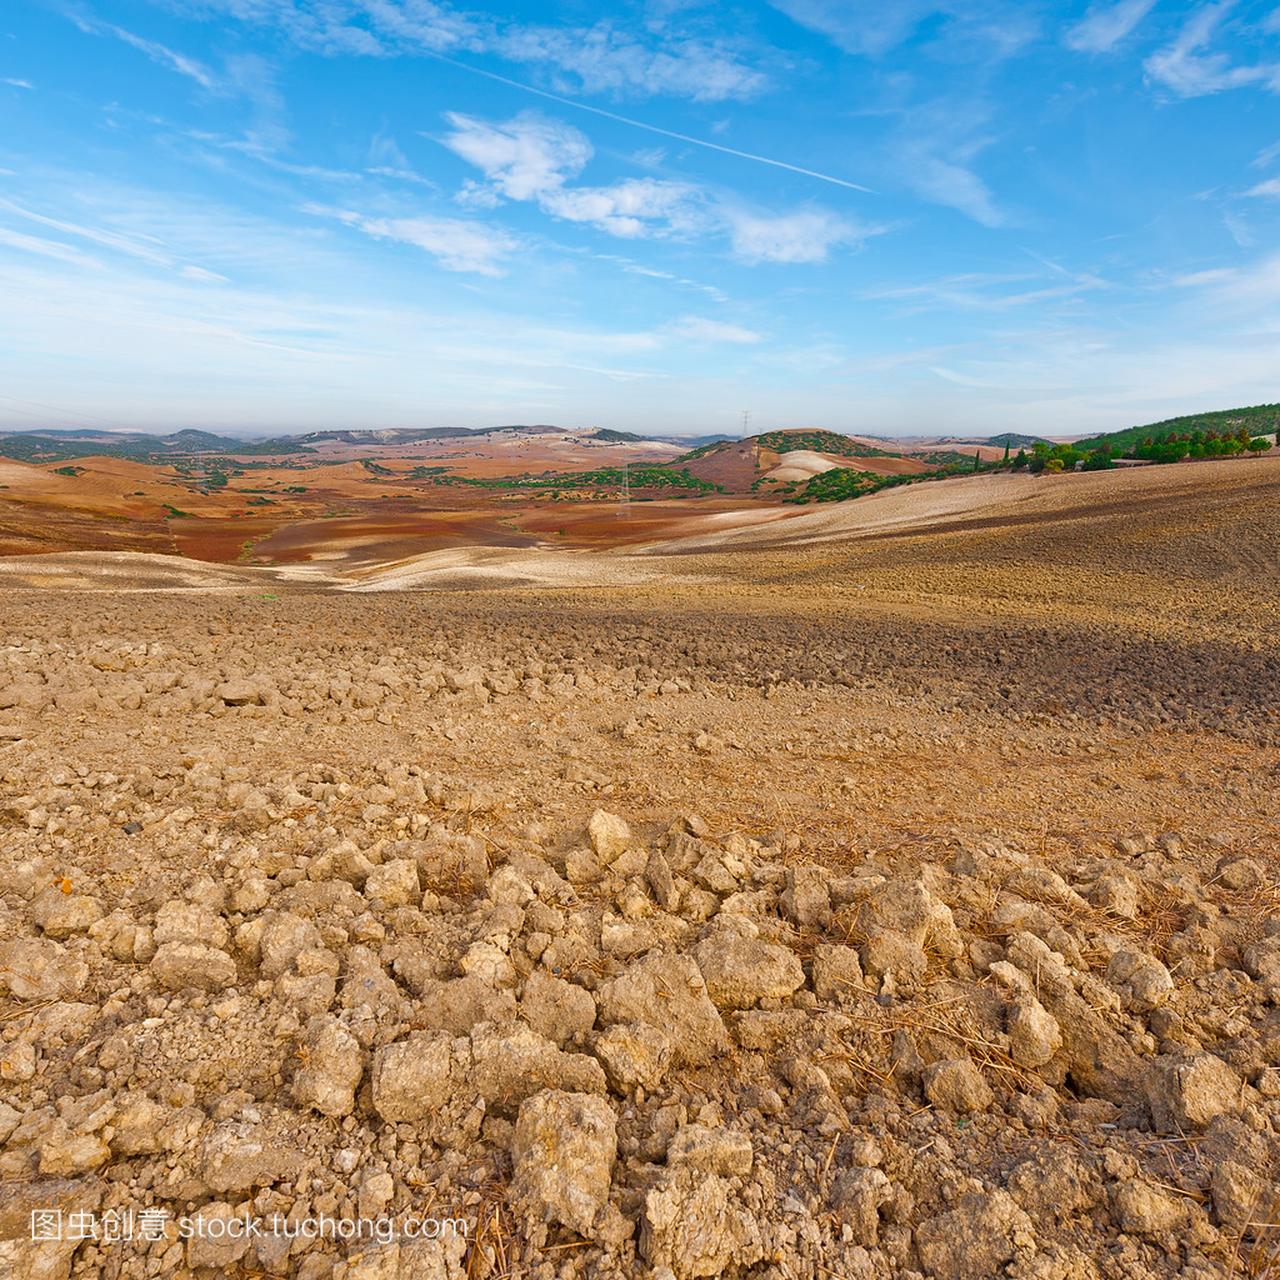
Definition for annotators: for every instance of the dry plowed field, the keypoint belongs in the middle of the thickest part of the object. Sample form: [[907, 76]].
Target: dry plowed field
[[886, 891]]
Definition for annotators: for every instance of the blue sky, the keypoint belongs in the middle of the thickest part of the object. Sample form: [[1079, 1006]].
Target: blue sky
[[895, 216]]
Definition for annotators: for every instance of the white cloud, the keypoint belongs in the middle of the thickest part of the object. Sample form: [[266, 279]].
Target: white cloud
[[457, 244], [386, 160], [872, 28], [1266, 156], [203, 275], [976, 291], [604, 60], [947, 181], [146, 248], [807, 236], [934, 152], [529, 158], [399, 175], [703, 329], [1191, 73], [45, 248], [1238, 230], [158, 53], [600, 58], [634, 207], [16, 83], [1267, 190], [1245, 289], [524, 158], [1105, 25]]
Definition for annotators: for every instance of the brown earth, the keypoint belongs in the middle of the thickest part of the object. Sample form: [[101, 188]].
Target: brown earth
[[885, 891], [331, 506]]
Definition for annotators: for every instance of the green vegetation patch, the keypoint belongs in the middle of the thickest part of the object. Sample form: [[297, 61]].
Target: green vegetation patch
[[602, 478], [1248, 423], [821, 442], [616, 437], [842, 483]]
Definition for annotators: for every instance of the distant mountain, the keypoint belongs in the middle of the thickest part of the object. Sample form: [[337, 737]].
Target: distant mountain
[[389, 435], [695, 442], [57, 444]]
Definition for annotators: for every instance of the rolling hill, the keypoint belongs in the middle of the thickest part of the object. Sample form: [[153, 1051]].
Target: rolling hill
[[1258, 419], [788, 464]]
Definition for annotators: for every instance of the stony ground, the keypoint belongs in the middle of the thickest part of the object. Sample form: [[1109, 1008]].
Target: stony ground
[[705, 942]]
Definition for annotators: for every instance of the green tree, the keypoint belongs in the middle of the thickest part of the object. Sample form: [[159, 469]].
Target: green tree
[[1258, 445]]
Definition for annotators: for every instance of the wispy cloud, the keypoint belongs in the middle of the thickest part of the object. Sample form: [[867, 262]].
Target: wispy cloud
[[1238, 230], [1105, 25], [1249, 289], [134, 247], [605, 60], [45, 248], [631, 208], [870, 29], [1269, 190], [948, 181], [807, 236], [599, 58], [203, 275], [386, 160], [15, 83], [934, 151], [1187, 69], [990, 292], [285, 358], [529, 158], [655, 273], [702, 329], [875, 29], [457, 244], [523, 158], [704, 143], [532, 159], [158, 53]]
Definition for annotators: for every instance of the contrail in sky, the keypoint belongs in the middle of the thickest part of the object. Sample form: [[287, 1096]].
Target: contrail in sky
[[651, 128]]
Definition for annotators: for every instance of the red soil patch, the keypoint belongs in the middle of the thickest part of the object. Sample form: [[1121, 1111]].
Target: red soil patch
[[735, 466]]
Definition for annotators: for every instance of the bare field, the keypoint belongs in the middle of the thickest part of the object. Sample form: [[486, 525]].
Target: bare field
[[881, 891]]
